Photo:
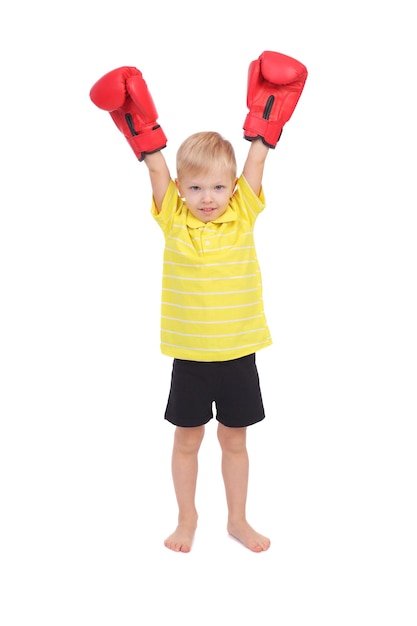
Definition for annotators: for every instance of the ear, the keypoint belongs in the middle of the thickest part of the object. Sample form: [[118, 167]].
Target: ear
[[179, 190]]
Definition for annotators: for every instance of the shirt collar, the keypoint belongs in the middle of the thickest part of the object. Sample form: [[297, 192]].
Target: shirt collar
[[228, 216]]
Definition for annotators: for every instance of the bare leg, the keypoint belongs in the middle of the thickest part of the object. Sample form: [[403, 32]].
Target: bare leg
[[235, 469], [187, 443]]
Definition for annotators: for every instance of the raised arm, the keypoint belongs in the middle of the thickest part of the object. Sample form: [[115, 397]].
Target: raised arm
[[159, 175], [254, 165], [275, 83], [125, 95]]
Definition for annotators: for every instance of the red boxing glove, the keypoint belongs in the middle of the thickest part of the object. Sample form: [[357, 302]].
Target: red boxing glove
[[125, 95], [275, 83]]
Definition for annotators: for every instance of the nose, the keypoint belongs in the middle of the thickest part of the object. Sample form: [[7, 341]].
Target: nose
[[206, 196]]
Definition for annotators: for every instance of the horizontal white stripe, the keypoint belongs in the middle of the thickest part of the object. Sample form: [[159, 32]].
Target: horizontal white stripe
[[211, 278], [198, 265], [232, 321], [182, 241], [213, 233], [208, 249], [211, 293], [212, 308], [222, 349], [246, 332]]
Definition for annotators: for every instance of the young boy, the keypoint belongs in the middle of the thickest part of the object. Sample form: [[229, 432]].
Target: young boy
[[212, 317]]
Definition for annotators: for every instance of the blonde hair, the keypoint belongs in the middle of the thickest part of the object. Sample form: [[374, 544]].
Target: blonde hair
[[205, 151]]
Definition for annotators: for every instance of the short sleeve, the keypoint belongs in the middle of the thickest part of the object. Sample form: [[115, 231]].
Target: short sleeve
[[171, 204], [245, 202]]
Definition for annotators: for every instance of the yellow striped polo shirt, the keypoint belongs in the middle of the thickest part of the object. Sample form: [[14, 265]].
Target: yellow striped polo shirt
[[211, 305]]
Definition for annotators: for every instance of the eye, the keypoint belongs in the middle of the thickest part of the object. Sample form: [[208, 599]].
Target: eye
[[194, 187], [219, 187]]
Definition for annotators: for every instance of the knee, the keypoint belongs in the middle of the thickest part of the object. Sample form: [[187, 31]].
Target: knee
[[231, 439], [188, 440]]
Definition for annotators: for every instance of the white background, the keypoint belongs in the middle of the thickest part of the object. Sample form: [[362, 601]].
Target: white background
[[86, 492]]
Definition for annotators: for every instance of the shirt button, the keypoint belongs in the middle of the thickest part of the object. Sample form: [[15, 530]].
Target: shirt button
[[208, 242]]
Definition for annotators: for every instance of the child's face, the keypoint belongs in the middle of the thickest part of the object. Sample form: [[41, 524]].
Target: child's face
[[207, 195]]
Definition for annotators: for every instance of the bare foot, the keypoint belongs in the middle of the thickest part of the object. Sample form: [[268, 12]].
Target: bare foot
[[248, 536], [182, 538]]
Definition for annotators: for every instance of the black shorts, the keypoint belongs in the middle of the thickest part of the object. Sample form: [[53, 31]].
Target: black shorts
[[232, 385]]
